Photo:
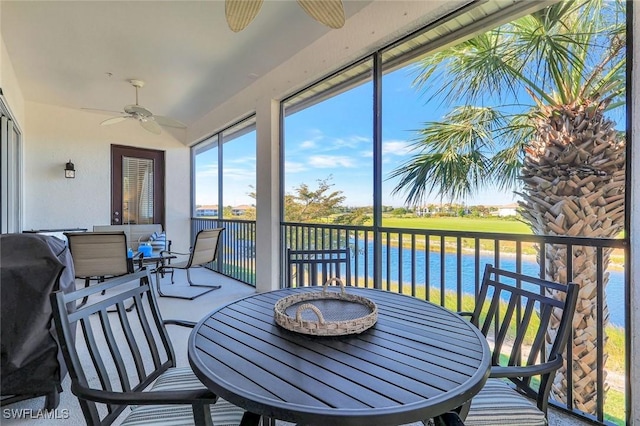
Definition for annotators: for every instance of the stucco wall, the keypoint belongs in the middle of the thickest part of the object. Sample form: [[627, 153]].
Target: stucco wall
[[9, 84], [57, 134]]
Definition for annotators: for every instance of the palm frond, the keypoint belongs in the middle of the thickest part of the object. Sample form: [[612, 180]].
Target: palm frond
[[453, 155], [570, 52]]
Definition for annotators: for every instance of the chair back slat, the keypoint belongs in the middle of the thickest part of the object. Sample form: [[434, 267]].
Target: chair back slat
[[103, 304], [516, 353], [538, 344], [131, 340], [125, 338], [492, 315], [505, 326], [315, 267], [514, 311], [96, 359], [116, 355], [149, 337], [205, 248], [90, 411]]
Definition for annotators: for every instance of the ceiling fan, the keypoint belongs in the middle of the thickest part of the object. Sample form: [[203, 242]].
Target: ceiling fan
[[146, 119], [240, 13]]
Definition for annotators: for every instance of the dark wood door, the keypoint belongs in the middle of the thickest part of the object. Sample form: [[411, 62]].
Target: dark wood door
[[137, 185]]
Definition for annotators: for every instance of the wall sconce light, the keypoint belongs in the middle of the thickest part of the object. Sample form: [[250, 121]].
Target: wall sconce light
[[69, 170]]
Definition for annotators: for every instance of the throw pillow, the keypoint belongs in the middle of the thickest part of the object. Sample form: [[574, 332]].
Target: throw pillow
[[158, 241]]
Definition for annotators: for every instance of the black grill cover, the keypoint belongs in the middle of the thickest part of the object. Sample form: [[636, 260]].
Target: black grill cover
[[30, 264]]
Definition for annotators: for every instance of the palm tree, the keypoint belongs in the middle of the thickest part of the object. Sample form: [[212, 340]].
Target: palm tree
[[560, 149]]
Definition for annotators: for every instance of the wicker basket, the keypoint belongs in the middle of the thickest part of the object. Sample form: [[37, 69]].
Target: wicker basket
[[326, 313]]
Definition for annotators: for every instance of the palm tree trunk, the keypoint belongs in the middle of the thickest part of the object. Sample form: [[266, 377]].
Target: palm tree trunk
[[574, 176]]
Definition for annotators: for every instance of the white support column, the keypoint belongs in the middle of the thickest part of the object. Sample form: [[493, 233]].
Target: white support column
[[634, 232], [268, 195]]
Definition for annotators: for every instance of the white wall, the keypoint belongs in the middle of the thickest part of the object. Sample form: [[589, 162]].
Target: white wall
[[9, 84], [57, 135]]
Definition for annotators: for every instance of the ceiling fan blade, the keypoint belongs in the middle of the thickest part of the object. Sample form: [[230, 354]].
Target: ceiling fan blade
[[115, 120], [240, 13], [327, 12], [101, 111], [150, 125], [169, 122]]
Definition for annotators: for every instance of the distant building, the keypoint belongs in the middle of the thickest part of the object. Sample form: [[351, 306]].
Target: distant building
[[207, 210], [241, 210], [507, 210]]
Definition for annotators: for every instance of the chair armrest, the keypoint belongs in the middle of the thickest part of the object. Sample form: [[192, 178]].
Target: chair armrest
[[465, 314], [146, 398], [525, 371], [182, 323], [173, 252]]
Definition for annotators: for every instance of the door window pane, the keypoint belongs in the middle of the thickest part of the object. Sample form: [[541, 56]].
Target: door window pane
[[137, 190]]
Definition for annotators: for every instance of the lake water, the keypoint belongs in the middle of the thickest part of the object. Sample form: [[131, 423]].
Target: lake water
[[614, 290]]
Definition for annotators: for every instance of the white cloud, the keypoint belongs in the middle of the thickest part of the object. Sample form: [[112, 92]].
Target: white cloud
[[396, 147], [393, 147], [349, 142], [207, 171], [293, 167], [241, 160], [308, 144], [330, 161], [239, 173]]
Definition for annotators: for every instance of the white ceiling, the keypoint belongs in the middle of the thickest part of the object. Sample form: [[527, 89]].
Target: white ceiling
[[63, 51]]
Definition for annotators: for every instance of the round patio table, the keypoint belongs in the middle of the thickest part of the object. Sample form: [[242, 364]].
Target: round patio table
[[418, 361]]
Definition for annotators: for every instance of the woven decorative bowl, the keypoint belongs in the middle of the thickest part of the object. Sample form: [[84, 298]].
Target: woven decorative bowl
[[326, 313]]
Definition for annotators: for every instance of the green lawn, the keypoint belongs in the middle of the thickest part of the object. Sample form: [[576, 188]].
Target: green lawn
[[509, 226], [489, 224]]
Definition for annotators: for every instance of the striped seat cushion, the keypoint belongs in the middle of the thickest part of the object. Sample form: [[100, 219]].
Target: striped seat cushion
[[223, 412], [498, 404], [158, 241]]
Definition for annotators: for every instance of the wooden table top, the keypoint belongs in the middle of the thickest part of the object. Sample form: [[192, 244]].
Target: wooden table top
[[418, 361]]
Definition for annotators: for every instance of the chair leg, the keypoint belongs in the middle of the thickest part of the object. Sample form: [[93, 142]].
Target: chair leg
[[158, 283], [213, 287], [182, 292], [250, 419], [448, 419], [86, 298], [52, 400], [202, 414]]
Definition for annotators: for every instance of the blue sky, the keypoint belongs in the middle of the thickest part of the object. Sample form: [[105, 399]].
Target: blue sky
[[334, 139]]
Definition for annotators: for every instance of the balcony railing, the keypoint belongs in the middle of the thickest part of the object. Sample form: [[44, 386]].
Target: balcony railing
[[237, 250], [404, 260], [452, 263]]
